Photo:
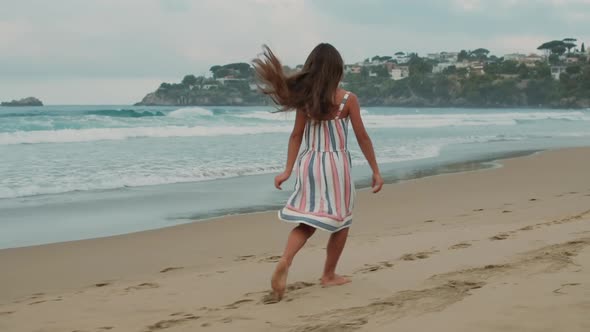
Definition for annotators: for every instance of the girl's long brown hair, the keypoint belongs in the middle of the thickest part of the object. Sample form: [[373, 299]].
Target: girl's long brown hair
[[310, 90]]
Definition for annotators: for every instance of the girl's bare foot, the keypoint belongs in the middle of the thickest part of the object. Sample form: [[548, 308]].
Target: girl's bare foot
[[335, 280], [279, 279]]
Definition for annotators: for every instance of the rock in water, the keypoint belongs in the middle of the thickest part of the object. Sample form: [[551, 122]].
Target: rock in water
[[30, 101]]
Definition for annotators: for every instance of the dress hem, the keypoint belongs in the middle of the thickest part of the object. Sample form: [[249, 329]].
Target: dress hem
[[313, 223]]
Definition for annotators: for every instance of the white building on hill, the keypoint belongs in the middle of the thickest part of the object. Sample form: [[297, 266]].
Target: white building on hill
[[556, 71], [450, 57], [400, 72], [514, 57]]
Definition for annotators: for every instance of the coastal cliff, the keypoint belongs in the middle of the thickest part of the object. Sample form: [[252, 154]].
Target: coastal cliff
[[465, 79]]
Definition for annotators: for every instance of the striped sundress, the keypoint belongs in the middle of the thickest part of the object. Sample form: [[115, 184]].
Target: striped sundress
[[324, 190]]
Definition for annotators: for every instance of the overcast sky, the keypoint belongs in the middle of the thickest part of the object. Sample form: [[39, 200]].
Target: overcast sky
[[115, 51]]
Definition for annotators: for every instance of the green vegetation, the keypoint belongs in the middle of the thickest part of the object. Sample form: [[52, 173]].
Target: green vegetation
[[464, 79], [231, 84]]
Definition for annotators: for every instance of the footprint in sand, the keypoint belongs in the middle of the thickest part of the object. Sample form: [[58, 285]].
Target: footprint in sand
[[271, 259], [102, 284], [145, 285], [43, 301], [176, 314], [560, 289], [168, 323], [299, 285], [270, 298], [417, 255], [448, 289], [430, 220], [172, 268], [398, 305], [102, 328], [461, 245], [243, 258], [374, 267], [238, 303], [499, 237], [527, 228], [6, 313], [478, 210], [533, 200], [506, 211]]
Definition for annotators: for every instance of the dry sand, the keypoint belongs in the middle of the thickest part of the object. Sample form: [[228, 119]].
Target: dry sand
[[504, 249]]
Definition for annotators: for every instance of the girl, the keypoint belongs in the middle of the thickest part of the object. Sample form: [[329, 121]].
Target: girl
[[324, 190]]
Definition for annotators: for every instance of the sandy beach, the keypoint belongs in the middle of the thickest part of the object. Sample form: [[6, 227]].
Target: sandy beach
[[500, 249]]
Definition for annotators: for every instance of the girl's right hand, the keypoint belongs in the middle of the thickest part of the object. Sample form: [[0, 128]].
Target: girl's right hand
[[279, 179], [377, 182]]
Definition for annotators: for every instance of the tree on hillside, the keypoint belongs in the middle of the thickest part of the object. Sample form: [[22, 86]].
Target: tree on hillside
[[583, 50], [165, 86], [553, 47], [573, 70], [364, 72], [189, 80], [523, 71], [463, 55], [559, 50], [400, 53], [214, 69], [419, 66], [542, 71], [569, 43], [480, 54], [381, 71], [494, 58]]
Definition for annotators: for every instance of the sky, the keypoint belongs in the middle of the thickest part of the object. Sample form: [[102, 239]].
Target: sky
[[116, 51]]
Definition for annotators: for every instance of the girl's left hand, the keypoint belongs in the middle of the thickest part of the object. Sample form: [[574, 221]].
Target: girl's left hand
[[279, 179]]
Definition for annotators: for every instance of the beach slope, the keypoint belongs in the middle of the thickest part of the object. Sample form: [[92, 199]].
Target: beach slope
[[500, 249]]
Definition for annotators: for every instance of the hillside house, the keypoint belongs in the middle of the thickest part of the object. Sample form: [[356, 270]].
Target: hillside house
[[400, 72], [556, 71]]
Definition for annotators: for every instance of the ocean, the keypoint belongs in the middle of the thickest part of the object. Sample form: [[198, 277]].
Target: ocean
[[76, 172]]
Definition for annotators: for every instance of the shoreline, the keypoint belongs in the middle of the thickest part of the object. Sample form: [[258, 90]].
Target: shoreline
[[392, 173], [450, 242], [418, 106], [532, 108]]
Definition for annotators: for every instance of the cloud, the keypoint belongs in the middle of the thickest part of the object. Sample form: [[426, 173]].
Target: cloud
[[151, 40], [468, 5], [175, 5]]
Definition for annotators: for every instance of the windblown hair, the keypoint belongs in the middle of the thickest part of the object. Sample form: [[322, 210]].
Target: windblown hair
[[310, 90]]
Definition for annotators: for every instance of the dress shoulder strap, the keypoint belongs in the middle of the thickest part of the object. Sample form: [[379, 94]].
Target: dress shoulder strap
[[341, 107]]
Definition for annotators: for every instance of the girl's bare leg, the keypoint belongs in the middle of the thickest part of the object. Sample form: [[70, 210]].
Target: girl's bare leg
[[297, 239], [334, 250]]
